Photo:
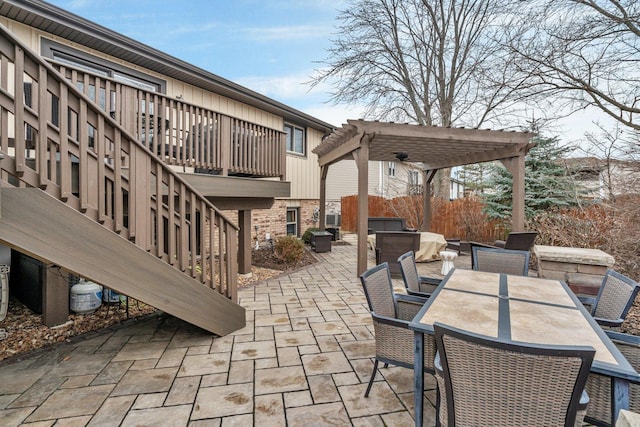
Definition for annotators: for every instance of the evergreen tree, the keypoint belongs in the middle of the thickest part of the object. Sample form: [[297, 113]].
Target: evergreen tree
[[547, 184], [474, 176]]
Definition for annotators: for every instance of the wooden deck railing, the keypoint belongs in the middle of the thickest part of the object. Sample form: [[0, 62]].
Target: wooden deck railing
[[52, 136], [185, 134]]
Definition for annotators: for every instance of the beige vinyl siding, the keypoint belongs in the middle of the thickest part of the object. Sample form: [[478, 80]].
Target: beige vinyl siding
[[398, 185], [303, 172], [342, 179], [175, 88]]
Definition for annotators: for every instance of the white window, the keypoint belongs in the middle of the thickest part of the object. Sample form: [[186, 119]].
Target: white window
[[292, 221], [413, 177], [392, 168], [295, 139], [83, 61]]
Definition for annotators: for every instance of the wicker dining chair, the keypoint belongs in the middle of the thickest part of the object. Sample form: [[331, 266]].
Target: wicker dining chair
[[483, 381], [391, 314], [414, 283], [518, 240], [500, 260], [599, 386], [615, 297], [391, 244]]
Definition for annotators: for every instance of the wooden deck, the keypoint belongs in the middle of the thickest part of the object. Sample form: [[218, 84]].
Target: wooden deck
[[85, 187]]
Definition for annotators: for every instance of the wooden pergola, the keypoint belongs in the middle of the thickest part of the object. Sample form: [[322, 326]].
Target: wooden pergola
[[435, 147]]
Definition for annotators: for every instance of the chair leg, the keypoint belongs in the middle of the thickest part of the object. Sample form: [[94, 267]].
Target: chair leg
[[373, 375], [438, 407]]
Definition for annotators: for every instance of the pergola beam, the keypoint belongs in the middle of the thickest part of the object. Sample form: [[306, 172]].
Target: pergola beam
[[475, 157]]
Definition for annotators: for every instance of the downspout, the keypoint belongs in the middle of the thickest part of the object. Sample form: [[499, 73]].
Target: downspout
[[381, 180]]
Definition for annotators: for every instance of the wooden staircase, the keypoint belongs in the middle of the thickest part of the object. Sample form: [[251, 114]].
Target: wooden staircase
[[80, 191]]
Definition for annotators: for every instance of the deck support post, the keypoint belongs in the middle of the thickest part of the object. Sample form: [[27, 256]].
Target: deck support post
[[244, 247]]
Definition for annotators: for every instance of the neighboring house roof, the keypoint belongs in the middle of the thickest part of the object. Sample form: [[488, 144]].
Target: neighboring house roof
[[599, 177], [54, 20], [584, 163]]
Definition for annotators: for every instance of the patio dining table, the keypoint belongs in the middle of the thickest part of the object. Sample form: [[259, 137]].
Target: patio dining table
[[518, 309]]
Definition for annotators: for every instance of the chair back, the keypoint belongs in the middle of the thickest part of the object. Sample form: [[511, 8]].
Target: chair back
[[520, 240], [407, 262], [491, 382], [599, 386], [378, 288], [391, 244], [496, 260], [615, 297], [386, 224]]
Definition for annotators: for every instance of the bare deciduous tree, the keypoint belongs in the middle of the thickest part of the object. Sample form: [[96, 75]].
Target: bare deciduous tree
[[584, 52], [428, 62], [619, 161]]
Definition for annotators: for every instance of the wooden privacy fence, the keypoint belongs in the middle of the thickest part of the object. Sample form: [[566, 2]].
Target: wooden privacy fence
[[461, 218], [378, 207]]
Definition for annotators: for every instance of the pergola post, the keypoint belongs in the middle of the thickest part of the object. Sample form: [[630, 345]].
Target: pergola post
[[427, 177], [515, 165], [361, 156], [323, 195]]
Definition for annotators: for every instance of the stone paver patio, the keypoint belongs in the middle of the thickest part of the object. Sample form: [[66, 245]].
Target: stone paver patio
[[304, 359]]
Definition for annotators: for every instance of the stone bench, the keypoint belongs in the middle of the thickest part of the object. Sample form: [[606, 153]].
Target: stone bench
[[582, 269]]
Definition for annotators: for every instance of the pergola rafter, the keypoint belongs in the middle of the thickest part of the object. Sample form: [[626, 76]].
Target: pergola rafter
[[435, 147]]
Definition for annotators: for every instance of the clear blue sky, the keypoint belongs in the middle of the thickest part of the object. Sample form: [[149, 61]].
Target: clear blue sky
[[269, 46]]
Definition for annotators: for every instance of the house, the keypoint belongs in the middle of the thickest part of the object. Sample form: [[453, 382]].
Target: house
[[387, 179], [139, 171], [603, 179]]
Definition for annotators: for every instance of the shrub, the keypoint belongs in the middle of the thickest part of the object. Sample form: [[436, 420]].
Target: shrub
[[289, 249], [306, 236], [612, 228]]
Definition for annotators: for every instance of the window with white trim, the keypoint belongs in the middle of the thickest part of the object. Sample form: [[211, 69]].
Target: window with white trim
[[83, 61], [295, 139], [414, 177], [292, 221], [392, 168]]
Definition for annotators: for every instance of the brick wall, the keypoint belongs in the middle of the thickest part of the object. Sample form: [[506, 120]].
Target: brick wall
[[274, 220], [306, 220]]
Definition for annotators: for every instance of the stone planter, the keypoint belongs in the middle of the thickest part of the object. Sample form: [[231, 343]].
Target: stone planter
[[582, 269]]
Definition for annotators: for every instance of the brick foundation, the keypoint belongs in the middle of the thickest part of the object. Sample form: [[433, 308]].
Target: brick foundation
[[274, 220]]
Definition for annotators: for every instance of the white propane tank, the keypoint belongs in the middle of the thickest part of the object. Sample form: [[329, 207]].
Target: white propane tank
[[4, 291], [86, 297]]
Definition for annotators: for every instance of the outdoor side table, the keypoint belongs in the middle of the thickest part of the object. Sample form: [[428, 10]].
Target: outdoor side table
[[447, 261], [321, 241]]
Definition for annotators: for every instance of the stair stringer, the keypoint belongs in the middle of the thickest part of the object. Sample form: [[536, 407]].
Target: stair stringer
[[37, 224]]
